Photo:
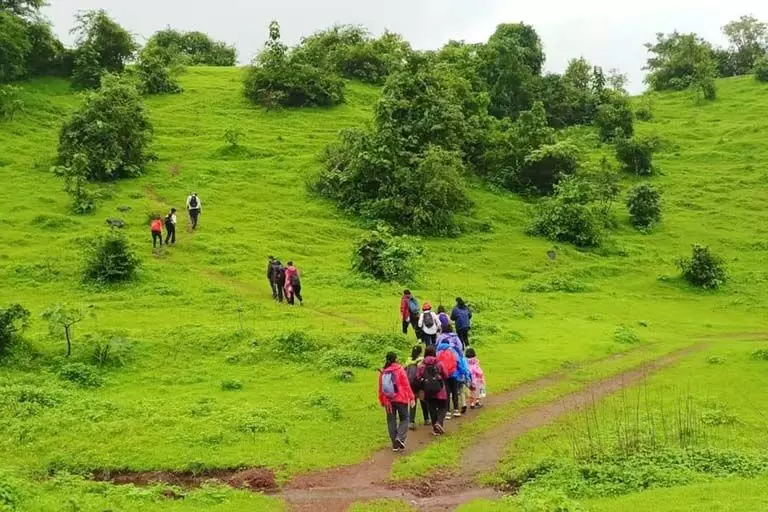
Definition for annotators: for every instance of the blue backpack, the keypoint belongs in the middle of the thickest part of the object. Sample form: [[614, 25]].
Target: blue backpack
[[388, 386], [413, 306]]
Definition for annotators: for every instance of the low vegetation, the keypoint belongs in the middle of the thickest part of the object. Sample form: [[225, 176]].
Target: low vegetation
[[703, 269]]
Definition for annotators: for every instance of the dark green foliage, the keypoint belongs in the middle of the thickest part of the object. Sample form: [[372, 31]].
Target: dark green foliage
[[14, 47], [384, 256], [526, 157], [231, 385], [679, 61], [341, 358], [22, 8], [76, 184], [110, 259], [615, 116], [511, 60], [761, 69], [111, 129], [574, 97], [626, 336], [295, 346], [636, 154], [63, 318], [10, 102], [190, 48], [47, 56], [703, 269], [154, 76], [760, 354], [353, 53], [569, 216], [103, 46], [13, 320], [748, 38], [81, 374], [644, 204], [645, 107], [109, 351], [277, 77]]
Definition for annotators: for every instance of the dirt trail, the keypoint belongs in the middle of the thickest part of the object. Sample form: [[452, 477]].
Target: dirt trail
[[336, 489]]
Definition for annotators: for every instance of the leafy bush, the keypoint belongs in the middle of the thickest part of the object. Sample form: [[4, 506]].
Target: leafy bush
[[13, 320], [109, 352], [645, 108], [636, 154], [760, 354], [761, 69], [716, 360], [103, 46], [276, 77], [191, 48], [232, 135], [154, 76], [111, 129], [615, 118], [678, 61], [10, 102], [644, 204], [81, 374], [703, 269], [384, 256], [339, 358], [75, 184], [295, 346], [705, 88], [231, 385], [110, 259], [14, 47], [626, 336], [569, 216]]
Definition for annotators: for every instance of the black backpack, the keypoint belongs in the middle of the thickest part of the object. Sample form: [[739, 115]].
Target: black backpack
[[429, 320], [432, 381], [295, 280], [411, 371], [193, 202], [274, 270]]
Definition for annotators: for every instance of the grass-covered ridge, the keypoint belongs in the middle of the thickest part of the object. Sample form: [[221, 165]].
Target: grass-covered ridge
[[200, 314]]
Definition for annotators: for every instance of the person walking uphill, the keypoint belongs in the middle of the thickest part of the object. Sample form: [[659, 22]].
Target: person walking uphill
[[292, 285], [412, 370], [429, 324], [409, 313], [396, 397], [194, 207], [156, 226], [432, 376], [457, 369], [462, 318], [274, 270], [170, 227]]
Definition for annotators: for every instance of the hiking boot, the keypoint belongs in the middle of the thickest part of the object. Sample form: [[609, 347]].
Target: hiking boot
[[456, 414], [439, 429], [400, 445], [464, 410], [413, 426], [427, 423]]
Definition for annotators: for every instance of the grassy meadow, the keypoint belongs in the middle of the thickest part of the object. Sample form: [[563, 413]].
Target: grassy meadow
[[217, 375]]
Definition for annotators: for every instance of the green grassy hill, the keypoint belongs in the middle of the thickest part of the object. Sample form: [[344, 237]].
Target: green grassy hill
[[201, 314]]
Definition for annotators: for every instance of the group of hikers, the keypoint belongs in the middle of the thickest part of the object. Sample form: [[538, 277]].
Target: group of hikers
[[194, 208], [285, 281], [443, 372]]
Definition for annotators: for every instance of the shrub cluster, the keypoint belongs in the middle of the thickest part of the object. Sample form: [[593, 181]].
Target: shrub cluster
[[644, 204], [761, 69], [111, 130], [279, 78], [383, 256], [569, 216], [703, 269], [154, 75], [28, 47], [110, 259], [13, 319], [190, 48], [103, 46], [636, 154]]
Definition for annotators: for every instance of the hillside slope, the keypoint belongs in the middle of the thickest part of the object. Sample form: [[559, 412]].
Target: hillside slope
[[200, 312]]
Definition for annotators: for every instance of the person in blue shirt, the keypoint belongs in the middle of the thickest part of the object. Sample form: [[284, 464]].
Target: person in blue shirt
[[462, 319]]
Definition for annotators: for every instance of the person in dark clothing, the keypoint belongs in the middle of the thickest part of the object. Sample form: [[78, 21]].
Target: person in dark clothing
[[438, 401], [273, 275], [280, 281], [170, 227], [409, 313], [462, 318], [411, 369], [194, 207]]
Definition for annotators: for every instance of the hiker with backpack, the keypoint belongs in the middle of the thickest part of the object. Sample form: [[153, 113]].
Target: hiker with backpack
[[274, 269], [462, 318], [292, 286], [432, 377], [429, 325], [478, 389], [442, 316], [412, 370], [458, 373], [156, 227], [194, 208], [170, 227], [396, 397], [409, 313], [447, 335]]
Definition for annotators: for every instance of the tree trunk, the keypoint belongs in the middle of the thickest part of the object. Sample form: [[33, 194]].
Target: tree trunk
[[69, 341]]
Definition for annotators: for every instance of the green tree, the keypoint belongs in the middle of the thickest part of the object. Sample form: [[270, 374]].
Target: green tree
[[748, 38], [679, 61], [23, 8], [154, 75], [62, 317], [111, 129], [704, 268], [569, 216], [110, 259], [761, 69], [190, 48], [384, 256], [511, 60], [102, 46], [13, 320], [14, 47], [644, 205]]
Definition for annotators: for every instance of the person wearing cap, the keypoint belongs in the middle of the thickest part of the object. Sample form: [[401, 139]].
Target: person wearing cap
[[194, 207], [429, 324]]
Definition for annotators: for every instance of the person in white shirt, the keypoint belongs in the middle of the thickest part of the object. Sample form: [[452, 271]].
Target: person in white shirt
[[429, 324], [194, 207], [170, 227]]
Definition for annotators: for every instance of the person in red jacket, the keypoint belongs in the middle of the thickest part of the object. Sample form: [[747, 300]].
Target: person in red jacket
[[157, 232], [409, 313], [396, 397], [431, 373]]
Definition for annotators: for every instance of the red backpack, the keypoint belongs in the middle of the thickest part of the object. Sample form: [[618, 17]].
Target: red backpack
[[448, 358]]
